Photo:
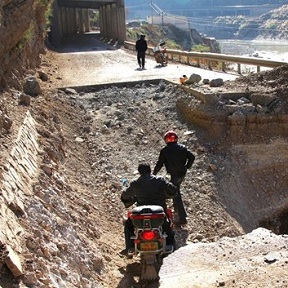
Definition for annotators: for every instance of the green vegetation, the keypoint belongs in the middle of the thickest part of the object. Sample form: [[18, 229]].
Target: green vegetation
[[174, 37], [49, 14], [170, 34], [131, 34], [134, 34], [271, 26], [200, 48], [171, 44], [44, 6], [42, 2], [94, 18], [27, 36]]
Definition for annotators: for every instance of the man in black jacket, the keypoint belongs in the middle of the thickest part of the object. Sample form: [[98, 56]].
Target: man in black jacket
[[147, 190], [177, 159], [141, 47]]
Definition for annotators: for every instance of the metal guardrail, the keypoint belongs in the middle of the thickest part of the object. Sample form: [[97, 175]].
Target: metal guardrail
[[211, 59]]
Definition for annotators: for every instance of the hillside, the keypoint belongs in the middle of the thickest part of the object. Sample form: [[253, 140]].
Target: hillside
[[170, 4], [174, 37], [227, 24], [270, 26]]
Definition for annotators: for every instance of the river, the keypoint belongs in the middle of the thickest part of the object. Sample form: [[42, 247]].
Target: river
[[273, 50]]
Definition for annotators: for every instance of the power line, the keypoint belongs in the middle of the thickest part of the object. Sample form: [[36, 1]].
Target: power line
[[159, 11]]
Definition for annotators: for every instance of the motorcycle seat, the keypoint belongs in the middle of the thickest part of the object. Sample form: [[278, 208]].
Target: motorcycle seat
[[147, 216], [147, 209]]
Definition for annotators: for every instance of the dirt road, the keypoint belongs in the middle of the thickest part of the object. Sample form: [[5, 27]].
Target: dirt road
[[93, 140], [89, 61]]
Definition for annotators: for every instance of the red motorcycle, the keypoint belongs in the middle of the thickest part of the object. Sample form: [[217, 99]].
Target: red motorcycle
[[160, 54], [150, 239]]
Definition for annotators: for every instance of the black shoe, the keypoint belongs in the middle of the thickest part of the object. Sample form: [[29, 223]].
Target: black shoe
[[127, 252], [124, 252], [169, 248]]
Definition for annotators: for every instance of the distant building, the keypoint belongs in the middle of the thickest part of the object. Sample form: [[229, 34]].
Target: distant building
[[180, 22]]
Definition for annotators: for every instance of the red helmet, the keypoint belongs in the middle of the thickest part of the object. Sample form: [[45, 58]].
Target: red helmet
[[170, 137]]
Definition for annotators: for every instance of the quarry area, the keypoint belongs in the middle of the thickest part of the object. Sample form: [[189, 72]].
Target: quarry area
[[66, 145]]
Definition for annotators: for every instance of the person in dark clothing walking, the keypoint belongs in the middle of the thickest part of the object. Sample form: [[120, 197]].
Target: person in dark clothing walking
[[141, 47], [177, 159], [148, 190]]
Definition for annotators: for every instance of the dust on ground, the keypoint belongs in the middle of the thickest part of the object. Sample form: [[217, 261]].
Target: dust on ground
[[105, 134]]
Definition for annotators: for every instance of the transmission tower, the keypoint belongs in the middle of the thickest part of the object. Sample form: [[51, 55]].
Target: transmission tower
[[160, 12]]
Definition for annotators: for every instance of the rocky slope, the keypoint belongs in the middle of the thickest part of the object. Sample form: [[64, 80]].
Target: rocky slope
[[89, 139], [270, 26], [22, 32]]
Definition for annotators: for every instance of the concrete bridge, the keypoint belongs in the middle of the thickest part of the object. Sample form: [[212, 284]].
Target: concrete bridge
[[71, 17]]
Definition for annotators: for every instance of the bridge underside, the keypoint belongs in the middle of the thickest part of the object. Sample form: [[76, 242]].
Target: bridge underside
[[70, 17]]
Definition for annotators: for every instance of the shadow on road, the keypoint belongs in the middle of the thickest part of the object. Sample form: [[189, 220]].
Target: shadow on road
[[88, 42], [131, 276]]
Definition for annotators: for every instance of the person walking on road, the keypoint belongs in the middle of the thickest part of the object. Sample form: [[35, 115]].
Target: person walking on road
[[141, 47], [177, 159]]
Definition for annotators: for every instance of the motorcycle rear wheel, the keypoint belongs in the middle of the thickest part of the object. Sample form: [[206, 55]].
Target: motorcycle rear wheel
[[150, 268]]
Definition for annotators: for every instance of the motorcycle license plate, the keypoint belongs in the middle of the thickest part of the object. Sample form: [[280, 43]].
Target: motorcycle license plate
[[148, 246]]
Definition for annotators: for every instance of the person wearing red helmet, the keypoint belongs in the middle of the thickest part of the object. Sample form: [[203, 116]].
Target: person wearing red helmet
[[177, 159]]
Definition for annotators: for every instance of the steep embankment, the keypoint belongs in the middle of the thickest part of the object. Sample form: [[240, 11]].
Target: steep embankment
[[175, 38], [271, 26], [22, 32], [249, 117]]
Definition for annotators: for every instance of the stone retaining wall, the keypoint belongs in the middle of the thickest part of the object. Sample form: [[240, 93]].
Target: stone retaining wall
[[16, 185], [230, 124]]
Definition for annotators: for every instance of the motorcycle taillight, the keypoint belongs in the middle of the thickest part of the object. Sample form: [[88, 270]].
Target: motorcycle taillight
[[149, 235]]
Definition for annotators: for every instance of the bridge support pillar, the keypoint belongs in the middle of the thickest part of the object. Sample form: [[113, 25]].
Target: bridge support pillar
[[69, 20], [113, 19], [80, 21], [73, 20], [121, 25], [108, 19], [86, 20], [56, 26], [103, 23]]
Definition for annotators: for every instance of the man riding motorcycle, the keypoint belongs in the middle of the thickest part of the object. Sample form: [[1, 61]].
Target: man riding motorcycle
[[148, 190]]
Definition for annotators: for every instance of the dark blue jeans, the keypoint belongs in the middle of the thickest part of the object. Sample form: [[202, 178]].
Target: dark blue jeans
[[177, 201]]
